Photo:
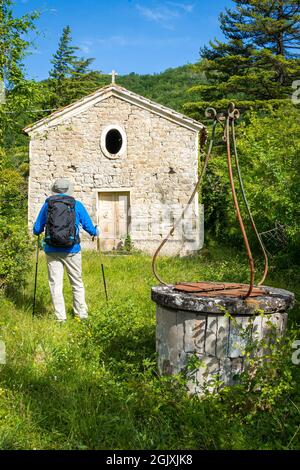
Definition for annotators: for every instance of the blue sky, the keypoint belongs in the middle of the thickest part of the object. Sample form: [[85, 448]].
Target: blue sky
[[141, 36]]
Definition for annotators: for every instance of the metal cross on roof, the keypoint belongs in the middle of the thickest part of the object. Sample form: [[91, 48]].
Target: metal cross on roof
[[113, 76]]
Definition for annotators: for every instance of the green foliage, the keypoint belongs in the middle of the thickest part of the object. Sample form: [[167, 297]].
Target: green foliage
[[14, 243], [197, 109], [103, 373], [264, 24], [128, 243], [70, 78], [22, 96], [262, 396], [64, 57], [12, 191], [267, 374], [13, 43], [18, 111], [268, 147], [168, 88], [259, 61], [15, 246]]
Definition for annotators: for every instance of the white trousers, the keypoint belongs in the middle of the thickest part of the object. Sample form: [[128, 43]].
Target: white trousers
[[56, 263]]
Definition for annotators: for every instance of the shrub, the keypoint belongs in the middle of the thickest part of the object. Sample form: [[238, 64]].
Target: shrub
[[15, 246], [128, 244]]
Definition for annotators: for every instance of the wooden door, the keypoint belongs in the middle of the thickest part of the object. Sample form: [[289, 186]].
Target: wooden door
[[113, 210]]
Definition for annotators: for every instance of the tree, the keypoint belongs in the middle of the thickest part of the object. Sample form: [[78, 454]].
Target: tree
[[259, 60], [62, 62], [13, 43], [81, 80], [21, 94], [67, 68], [15, 248], [265, 24], [15, 245], [64, 57]]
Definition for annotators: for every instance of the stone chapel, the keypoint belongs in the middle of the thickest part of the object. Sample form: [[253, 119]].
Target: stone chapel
[[133, 163]]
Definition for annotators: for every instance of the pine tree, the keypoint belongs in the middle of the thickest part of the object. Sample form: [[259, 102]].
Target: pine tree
[[260, 58], [69, 72], [64, 57], [81, 80], [265, 24], [62, 62], [81, 67]]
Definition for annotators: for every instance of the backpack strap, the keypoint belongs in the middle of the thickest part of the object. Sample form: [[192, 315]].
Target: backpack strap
[[61, 198]]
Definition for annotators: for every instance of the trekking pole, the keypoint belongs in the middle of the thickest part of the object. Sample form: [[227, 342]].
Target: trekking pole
[[102, 267], [36, 273]]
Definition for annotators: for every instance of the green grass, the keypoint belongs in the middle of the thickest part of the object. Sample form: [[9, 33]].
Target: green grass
[[95, 385]]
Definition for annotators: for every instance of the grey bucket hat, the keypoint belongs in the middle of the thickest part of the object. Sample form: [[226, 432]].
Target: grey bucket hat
[[62, 186]]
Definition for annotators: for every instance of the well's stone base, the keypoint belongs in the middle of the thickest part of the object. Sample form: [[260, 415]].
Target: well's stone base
[[216, 330]]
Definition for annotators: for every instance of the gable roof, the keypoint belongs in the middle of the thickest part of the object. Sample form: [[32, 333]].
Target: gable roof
[[81, 105]]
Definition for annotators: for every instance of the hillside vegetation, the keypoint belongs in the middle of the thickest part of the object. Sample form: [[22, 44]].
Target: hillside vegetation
[[170, 88]]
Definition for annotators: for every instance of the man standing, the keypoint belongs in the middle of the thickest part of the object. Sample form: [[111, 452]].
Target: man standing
[[62, 217]]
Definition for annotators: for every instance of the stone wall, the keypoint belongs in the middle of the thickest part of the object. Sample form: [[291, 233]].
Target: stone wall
[[216, 331], [159, 166]]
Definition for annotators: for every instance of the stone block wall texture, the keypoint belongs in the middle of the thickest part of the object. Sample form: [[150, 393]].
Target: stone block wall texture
[[202, 330], [159, 165]]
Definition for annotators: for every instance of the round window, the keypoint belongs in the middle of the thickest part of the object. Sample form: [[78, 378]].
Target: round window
[[113, 141]]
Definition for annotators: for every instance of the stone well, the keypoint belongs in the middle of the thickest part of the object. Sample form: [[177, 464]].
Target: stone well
[[194, 325]]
